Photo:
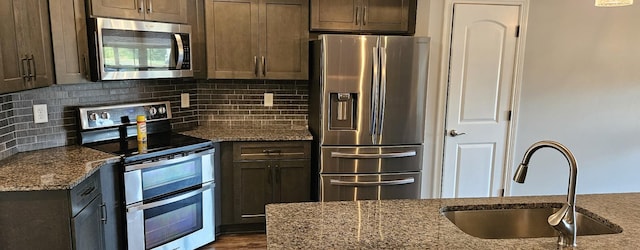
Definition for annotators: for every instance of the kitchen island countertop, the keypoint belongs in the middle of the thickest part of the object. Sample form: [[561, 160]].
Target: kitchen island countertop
[[418, 224], [51, 169]]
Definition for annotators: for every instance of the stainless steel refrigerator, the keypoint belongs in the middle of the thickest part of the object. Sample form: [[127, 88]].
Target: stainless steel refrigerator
[[367, 113]]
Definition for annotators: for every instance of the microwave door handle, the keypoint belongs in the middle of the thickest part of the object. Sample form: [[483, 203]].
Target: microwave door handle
[[180, 51], [190, 194]]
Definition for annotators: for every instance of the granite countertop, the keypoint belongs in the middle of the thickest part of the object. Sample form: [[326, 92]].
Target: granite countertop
[[64, 167], [51, 169], [249, 134], [418, 224]]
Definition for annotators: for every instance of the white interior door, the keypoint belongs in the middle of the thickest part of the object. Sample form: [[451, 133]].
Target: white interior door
[[481, 77]]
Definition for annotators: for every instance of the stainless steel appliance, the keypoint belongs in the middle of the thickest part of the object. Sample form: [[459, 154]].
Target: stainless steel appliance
[[366, 112], [168, 188], [127, 49]]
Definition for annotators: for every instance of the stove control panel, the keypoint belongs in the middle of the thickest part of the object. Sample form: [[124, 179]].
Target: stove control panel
[[115, 115]]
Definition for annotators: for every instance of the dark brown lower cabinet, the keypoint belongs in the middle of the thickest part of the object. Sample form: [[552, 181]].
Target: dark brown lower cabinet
[[59, 219], [88, 232], [262, 173]]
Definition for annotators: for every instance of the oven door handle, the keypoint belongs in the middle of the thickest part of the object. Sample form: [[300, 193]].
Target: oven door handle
[[374, 183], [138, 207], [373, 156], [167, 162]]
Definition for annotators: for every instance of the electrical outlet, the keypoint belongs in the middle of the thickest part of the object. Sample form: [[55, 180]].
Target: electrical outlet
[[184, 100], [40, 113], [268, 99]]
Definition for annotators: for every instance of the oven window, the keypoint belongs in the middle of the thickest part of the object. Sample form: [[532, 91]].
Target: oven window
[[125, 50], [172, 221], [168, 179]]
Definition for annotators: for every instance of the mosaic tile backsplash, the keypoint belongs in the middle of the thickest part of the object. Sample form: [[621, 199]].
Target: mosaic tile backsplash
[[237, 103]]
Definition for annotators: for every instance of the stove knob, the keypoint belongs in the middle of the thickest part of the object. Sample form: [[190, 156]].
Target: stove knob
[[105, 115], [162, 110], [93, 117], [153, 111]]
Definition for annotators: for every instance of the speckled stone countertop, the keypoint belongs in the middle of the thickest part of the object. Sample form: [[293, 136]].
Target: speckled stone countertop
[[232, 134], [418, 224], [51, 169]]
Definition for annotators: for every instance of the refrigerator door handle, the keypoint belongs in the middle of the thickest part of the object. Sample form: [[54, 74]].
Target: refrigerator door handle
[[383, 87], [373, 156], [375, 95], [374, 183]]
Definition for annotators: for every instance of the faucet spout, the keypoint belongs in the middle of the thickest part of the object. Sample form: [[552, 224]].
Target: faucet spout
[[564, 220]]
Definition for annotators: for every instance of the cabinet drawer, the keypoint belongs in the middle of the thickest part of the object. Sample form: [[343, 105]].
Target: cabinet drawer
[[244, 151], [84, 192]]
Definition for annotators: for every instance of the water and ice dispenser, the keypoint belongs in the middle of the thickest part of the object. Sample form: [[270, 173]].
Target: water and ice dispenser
[[342, 115]]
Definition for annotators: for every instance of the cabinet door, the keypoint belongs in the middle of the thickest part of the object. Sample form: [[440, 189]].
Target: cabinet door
[[113, 205], [87, 227], [11, 69], [26, 50], [129, 9], [232, 38], [69, 37], [173, 11], [39, 43], [195, 8], [251, 190], [284, 39], [292, 181], [335, 15], [386, 15]]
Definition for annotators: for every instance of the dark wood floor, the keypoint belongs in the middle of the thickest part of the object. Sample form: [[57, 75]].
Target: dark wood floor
[[238, 241]]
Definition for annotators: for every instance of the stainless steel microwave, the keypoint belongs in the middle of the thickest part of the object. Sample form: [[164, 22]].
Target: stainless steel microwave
[[126, 49]]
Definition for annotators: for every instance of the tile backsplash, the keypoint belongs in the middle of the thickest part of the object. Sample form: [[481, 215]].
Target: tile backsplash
[[237, 103]]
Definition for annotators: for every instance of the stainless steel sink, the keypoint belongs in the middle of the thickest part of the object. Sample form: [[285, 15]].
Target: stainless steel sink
[[509, 221]]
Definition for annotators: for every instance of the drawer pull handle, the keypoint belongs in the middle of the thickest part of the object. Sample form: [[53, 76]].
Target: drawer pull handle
[[88, 191], [253, 215], [272, 151]]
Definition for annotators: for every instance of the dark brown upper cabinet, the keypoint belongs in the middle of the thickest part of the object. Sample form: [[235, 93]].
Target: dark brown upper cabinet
[[70, 43], [171, 11], [257, 39], [195, 9], [25, 45], [364, 16]]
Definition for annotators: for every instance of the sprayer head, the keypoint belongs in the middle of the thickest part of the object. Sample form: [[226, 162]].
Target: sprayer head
[[521, 173]]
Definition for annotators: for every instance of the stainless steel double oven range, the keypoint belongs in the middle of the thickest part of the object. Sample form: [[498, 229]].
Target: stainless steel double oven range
[[168, 189]]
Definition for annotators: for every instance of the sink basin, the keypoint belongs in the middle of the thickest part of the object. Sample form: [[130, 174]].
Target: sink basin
[[509, 221]]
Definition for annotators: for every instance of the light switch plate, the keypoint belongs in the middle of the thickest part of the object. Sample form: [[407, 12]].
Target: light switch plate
[[268, 99], [184, 100], [40, 114]]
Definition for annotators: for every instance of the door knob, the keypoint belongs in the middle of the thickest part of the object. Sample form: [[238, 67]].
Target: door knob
[[455, 133]]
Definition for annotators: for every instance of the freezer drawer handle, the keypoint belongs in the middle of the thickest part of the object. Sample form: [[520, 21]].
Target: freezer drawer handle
[[375, 183], [373, 156]]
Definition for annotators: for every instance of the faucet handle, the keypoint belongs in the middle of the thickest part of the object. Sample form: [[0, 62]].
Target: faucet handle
[[564, 221]]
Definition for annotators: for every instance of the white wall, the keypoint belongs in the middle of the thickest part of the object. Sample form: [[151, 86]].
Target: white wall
[[429, 23], [581, 87]]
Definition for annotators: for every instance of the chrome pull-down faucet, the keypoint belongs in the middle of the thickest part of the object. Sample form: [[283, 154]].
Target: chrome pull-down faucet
[[563, 221]]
